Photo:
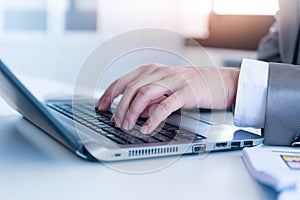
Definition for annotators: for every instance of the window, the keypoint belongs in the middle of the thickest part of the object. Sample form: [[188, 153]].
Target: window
[[53, 16], [24, 15], [81, 15]]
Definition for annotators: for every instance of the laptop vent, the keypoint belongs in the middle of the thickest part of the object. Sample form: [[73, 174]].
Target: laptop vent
[[153, 151]]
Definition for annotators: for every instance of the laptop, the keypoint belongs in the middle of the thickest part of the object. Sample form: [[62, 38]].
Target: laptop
[[89, 134]]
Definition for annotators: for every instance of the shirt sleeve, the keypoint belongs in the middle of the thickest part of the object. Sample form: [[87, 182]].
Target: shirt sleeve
[[250, 106]]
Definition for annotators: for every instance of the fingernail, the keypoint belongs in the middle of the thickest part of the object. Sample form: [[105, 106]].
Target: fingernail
[[126, 125], [112, 120], [100, 107], [97, 104], [144, 129], [117, 122]]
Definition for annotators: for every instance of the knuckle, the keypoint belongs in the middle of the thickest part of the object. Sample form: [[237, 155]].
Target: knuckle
[[167, 70], [132, 112], [118, 81], [143, 67], [161, 69], [117, 112], [144, 91], [151, 66], [121, 107], [131, 88], [165, 106]]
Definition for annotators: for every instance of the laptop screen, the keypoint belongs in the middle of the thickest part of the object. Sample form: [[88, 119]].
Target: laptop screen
[[19, 98]]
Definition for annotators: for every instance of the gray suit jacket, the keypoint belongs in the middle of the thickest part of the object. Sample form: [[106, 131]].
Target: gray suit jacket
[[279, 44], [283, 95]]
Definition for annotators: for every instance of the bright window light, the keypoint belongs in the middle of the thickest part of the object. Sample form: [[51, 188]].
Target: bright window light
[[245, 7]]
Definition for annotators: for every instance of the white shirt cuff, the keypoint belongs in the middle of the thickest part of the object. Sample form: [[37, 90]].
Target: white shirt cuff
[[250, 107]]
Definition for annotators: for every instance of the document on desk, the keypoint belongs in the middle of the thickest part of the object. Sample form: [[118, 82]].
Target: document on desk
[[278, 168]]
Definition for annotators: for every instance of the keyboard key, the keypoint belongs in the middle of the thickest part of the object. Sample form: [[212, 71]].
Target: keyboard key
[[169, 127], [116, 139], [149, 140], [100, 122], [168, 133], [101, 131], [140, 121], [181, 138], [162, 138]]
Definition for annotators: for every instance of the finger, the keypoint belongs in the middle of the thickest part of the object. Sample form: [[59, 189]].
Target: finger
[[144, 96], [129, 94], [147, 94], [139, 95], [151, 107], [163, 110], [117, 88]]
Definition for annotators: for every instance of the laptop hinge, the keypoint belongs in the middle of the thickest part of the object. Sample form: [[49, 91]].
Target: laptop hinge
[[85, 154]]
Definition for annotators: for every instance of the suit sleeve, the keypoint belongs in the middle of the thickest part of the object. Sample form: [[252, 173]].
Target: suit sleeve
[[282, 104], [268, 97]]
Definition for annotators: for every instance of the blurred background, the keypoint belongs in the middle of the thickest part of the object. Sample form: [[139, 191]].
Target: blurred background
[[52, 38]]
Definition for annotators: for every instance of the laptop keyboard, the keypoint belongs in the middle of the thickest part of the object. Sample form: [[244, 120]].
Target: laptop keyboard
[[100, 123]]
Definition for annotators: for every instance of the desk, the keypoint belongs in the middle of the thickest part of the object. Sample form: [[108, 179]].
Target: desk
[[34, 166]]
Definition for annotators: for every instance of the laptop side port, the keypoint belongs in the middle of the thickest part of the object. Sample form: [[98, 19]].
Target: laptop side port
[[235, 145], [221, 145], [248, 143], [199, 148]]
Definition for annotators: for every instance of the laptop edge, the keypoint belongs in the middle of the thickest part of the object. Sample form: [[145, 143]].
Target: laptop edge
[[19, 98]]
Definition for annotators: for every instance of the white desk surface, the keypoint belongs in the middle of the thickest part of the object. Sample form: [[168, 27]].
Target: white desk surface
[[34, 166]]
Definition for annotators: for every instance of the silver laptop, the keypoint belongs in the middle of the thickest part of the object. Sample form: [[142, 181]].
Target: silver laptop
[[90, 134]]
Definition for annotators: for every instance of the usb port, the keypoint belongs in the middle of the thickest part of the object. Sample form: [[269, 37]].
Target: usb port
[[199, 148], [221, 144], [248, 143], [235, 145]]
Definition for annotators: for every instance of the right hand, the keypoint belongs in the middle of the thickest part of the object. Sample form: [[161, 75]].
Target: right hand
[[155, 91]]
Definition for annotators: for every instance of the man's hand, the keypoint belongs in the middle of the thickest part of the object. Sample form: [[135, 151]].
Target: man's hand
[[155, 91]]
